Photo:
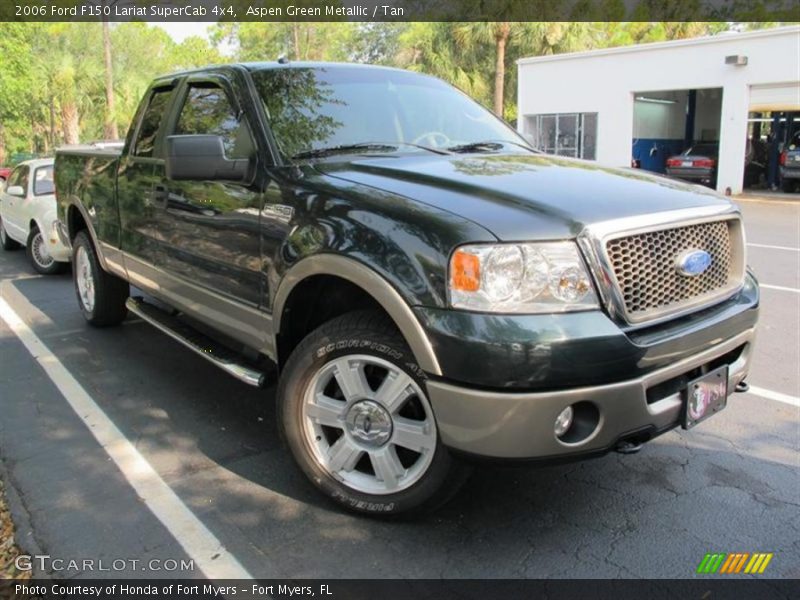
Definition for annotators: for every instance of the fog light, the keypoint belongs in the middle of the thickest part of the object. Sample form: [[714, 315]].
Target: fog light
[[563, 421]]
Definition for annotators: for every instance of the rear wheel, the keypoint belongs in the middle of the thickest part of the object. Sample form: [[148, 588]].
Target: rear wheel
[[788, 185], [355, 413], [101, 295], [40, 256], [6, 242]]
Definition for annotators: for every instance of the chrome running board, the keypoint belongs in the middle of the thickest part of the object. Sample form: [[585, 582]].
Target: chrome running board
[[214, 352]]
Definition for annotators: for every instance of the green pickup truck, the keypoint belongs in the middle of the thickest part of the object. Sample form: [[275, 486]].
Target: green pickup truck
[[425, 287]]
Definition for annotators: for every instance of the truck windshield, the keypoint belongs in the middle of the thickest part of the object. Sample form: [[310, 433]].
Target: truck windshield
[[313, 109]]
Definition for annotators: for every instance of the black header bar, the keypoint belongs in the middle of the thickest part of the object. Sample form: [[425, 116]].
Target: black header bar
[[399, 10], [716, 588]]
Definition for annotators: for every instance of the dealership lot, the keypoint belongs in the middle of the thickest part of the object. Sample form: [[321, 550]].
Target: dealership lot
[[175, 433]]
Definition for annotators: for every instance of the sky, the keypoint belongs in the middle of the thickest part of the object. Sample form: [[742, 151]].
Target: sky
[[180, 31]]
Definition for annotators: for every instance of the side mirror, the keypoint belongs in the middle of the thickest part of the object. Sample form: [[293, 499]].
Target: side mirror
[[16, 190], [202, 158]]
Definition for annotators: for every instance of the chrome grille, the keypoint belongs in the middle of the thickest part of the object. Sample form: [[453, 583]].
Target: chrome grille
[[648, 280]]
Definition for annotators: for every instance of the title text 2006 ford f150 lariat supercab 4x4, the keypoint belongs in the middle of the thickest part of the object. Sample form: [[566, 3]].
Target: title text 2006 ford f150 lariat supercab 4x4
[[426, 287]]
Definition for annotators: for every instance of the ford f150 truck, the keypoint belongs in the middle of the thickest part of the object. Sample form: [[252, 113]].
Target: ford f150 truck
[[425, 286]]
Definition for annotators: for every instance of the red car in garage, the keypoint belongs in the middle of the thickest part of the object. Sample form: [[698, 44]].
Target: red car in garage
[[697, 164]]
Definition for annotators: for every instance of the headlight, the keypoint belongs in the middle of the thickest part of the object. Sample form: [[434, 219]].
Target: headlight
[[520, 278]]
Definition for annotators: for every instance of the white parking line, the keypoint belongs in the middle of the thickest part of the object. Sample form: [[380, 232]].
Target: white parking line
[[788, 248], [202, 546], [776, 396], [778, 287]]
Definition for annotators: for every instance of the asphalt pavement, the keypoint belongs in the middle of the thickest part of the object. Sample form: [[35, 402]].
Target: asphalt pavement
[[90, 419]]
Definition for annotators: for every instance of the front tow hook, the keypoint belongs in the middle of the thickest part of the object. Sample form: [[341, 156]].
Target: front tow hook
[[742, 387], [628, 448]]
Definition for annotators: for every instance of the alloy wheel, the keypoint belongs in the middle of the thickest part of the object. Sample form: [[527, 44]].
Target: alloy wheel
[[84, 278], [369, 424]]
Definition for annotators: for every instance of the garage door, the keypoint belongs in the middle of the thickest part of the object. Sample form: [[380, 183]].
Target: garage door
[[782, 96]]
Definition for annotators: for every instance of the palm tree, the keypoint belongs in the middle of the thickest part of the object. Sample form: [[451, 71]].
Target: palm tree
[[110, 131], [73, 79], [499, 34], [429, 47]]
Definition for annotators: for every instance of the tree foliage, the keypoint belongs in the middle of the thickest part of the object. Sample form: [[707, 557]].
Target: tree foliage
[[53, 77], [53, 86]]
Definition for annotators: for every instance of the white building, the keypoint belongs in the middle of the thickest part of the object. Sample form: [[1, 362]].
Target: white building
[[652, 100]]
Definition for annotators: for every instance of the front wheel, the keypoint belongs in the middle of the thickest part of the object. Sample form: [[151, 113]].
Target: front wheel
[[355, 414], [39, 255], [101, 295]]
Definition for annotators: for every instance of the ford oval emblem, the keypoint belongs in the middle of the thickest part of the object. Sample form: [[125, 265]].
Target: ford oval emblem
[[693, 262]]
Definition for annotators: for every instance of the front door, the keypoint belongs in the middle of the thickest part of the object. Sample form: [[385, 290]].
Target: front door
[[211, 228]]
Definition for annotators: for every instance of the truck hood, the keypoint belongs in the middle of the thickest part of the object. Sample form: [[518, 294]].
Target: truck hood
[[523, 196]]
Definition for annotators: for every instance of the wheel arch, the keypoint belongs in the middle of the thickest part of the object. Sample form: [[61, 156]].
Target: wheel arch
[[374, 287], [77, 221], [34, 222]]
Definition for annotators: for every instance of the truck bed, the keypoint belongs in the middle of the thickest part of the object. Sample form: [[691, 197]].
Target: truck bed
[[89, 174]]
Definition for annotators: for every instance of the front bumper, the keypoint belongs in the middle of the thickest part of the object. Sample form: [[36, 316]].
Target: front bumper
[[507, 377], [520, 425]]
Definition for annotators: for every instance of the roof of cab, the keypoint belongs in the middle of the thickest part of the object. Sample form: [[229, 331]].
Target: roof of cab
[[34, 163], [274, 65]]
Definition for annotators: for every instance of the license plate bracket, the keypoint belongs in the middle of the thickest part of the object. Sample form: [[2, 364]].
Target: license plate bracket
[[705, 397]]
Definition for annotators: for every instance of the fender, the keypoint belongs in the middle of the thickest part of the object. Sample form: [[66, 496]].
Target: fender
[[114, 263], [374, 285]]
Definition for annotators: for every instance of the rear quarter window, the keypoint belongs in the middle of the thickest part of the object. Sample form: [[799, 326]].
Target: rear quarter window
[[144, 145]]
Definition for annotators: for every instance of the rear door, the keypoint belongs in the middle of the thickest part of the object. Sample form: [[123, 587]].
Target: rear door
[[13, 206], [211, 228], [140, 196]]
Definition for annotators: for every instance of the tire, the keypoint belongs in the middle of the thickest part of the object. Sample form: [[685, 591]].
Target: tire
[[6, 242], [39, 257], [788, 186], [101, 296], [338, 440]]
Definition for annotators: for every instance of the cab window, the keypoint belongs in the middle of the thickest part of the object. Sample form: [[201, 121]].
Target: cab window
[[43, 181], [151, 122], [207, 110], [19, 177]]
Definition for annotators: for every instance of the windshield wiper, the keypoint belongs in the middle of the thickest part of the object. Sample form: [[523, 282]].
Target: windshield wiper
[[363, 147], [486, 145], [345, 149], [426, 148]]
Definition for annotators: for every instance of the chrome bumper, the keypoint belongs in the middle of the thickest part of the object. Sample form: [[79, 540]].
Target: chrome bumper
[[520, 425]]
